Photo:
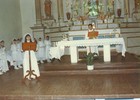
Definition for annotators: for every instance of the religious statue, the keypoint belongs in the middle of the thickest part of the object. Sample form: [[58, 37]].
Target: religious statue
[[48, 9]]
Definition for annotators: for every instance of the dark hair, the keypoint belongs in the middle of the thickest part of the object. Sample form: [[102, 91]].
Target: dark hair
[[47, 37], [14, 40], [26, 37], [2, 40], [90, 25]]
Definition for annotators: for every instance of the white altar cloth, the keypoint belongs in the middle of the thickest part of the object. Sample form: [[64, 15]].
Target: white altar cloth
[[105, 42]]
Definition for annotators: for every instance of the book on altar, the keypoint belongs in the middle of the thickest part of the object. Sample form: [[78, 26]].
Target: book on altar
[[29, 46], [92, 34]]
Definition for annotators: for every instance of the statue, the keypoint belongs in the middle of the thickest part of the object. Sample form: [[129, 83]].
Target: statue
[[48, 9]]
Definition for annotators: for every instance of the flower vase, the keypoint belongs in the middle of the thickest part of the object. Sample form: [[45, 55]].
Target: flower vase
[[68, 15], [119, 12]]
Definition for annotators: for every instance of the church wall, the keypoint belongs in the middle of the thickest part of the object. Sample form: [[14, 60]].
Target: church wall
[[10, 22], [28, 15]]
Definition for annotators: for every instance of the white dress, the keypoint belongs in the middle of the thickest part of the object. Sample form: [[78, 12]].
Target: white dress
[[41, 50], [20, 54], [34, 65], [4, 64], [14, 54], [92, 49], [47, 49], [0, 67], [0, 62], [9, 58]]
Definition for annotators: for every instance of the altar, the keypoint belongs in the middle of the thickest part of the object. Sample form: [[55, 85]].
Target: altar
[[102, 33], [105, 42]]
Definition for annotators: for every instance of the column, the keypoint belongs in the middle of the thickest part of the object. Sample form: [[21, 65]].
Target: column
[[107, 55], [135, 5], [127, 8], [43, 9], [60, 10], [131, 7], [74, 54], [38, 12]]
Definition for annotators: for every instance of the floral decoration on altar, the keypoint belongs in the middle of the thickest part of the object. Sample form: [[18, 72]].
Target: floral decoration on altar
[[82, 18], [107, 17], [81, 10]]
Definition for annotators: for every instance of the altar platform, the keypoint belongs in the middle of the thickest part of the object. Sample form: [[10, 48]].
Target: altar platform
[[119, 78]]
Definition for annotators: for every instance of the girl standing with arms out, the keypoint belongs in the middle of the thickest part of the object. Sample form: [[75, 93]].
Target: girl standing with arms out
[[47, 42], [29, 60]]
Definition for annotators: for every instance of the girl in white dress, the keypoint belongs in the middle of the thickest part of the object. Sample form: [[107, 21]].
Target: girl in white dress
[[0, 62], [47, 48], [26, 64], [14, 54], [4, 64], [41, 50], [20, 55]]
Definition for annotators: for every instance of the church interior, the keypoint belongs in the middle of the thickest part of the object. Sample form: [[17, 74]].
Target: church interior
[[74, 62]]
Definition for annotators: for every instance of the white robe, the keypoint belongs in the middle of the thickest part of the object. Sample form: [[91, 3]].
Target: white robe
[[20, 54], [15, 55], [91, 49], [9, 58], [0, 61], [14, 52], [34, 65], [4, 64], [41, 50], [47, 49]]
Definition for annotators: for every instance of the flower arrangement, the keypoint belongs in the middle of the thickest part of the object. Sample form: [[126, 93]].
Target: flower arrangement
[[82, 18]]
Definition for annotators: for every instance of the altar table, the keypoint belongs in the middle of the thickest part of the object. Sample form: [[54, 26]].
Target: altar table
[[105, 42]]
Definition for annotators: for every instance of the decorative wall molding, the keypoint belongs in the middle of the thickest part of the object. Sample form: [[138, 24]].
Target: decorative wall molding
[[133, 41]]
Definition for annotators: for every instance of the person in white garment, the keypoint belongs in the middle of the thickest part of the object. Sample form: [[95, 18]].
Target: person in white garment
[[0, 68], [14, 54], [36, 53], [20, 55], [29, 59], [47, 42], [4, 64], [91, 34], [0, 61], [41, 50]]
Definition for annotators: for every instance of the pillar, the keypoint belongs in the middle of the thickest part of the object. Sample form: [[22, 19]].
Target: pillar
[[127, 10], [60, 10], [38, 12]]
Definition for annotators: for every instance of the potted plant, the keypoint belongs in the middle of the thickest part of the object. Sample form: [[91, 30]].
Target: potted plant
[[90, 60]]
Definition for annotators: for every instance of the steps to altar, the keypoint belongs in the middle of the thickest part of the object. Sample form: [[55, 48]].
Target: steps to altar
[[117, 65]]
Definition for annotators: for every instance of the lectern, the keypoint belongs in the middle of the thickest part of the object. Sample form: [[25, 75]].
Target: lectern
[[93, 34], [28, 47]]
